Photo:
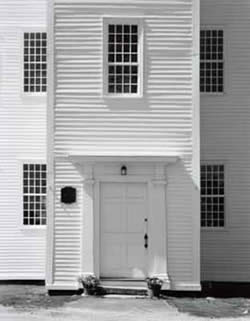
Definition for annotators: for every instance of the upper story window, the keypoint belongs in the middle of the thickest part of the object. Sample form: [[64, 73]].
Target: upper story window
[[35, 62], [212, 195], [212, 61], [123, 59], [34, 194]]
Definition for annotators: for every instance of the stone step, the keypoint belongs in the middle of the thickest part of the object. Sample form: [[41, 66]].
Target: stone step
[[122, 290], [123, 286], [131, 283]]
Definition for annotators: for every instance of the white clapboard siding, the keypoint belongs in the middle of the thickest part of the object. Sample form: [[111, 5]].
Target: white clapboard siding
[[67, 237], [159, 123], [225, 136], [22, 136]]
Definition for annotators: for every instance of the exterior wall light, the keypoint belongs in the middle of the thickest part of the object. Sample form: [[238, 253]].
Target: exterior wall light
[[123, 170]]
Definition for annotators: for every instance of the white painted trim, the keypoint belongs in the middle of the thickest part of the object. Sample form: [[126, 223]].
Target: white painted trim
[[185, 286], [22, 276], [160, 246], [196, 94], [63, 287], [88, 223], [196, 143], [104, 2], [123, 179], [97, 229], [50, 146], [123, 158], [92, 215]]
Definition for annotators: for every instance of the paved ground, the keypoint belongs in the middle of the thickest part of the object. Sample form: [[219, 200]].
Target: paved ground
[[30, 303]]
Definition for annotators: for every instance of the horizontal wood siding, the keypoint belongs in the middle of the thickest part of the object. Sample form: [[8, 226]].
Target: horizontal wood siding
[[225, 136], [67, 235], [22, 136], [158, 123]]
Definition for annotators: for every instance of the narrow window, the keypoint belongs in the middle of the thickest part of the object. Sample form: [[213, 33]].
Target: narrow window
[[35, 62], [123, 59], [212, 196], [211, 61], [34, 194]]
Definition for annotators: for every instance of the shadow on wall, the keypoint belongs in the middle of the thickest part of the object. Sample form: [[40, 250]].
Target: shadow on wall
[[183, 214]]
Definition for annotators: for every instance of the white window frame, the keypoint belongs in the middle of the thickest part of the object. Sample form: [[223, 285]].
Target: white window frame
[[217, 228], [21, 194], [223, 28], [122, 20], [30, 95]]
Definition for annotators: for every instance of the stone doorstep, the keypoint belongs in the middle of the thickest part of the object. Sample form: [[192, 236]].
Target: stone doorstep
[[106, 290], [123, 287], [124, 296]]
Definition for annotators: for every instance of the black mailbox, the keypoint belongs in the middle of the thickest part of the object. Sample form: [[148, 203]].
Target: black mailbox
[[68, 195]]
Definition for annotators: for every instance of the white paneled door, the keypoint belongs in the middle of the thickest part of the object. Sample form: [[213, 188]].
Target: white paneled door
[[123, 228]]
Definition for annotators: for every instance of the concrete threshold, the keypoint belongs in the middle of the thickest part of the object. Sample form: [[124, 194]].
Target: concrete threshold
[[124, 296]]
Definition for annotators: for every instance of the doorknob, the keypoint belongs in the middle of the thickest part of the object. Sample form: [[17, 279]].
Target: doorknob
[[146, 240]]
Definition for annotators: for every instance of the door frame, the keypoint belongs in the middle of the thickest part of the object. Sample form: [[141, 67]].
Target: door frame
[[97, 211], [157, 197]]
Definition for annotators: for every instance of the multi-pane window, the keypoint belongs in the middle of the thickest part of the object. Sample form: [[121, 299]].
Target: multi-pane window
[[212, 195], [34, 194], [35, 62], [211, 61], [123, 59]]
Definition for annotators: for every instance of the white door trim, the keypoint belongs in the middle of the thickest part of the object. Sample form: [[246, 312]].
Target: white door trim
[[157, 218]]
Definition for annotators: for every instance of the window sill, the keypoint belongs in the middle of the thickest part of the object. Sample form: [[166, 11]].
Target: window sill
[[31, 94], [33, 227], [113, 97], [31, 98], [212, 94], [214, 229]]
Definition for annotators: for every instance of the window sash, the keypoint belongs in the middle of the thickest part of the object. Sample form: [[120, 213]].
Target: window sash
[[212, 196], [212, 60], [34, 194], [35, 62], [126, 81]]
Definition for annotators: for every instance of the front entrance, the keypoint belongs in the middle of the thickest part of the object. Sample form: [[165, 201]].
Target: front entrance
[[123, 225]]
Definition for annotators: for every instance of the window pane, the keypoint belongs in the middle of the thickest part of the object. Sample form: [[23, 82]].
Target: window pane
[[212, 197], [34, 53], [34, 194], [211, 61], [122, 58]]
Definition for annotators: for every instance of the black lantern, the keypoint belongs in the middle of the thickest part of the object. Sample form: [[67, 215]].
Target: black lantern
[[123, 170], [68, 195]]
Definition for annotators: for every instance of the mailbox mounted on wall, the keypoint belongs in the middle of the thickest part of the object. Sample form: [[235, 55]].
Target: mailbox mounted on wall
[[68, 195]]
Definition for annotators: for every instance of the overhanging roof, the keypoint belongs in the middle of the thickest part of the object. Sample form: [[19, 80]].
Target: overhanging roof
[[123, 158]]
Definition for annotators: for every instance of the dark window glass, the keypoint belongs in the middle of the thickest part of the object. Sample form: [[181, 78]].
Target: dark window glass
[[211, 61], [212, 195]]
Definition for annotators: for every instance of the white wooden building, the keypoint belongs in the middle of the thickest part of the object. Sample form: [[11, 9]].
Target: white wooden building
[[124, 92], [123, 116], [22, 142], [225, 137]]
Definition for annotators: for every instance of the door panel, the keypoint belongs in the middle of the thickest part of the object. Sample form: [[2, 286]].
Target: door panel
[[123, 211]]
